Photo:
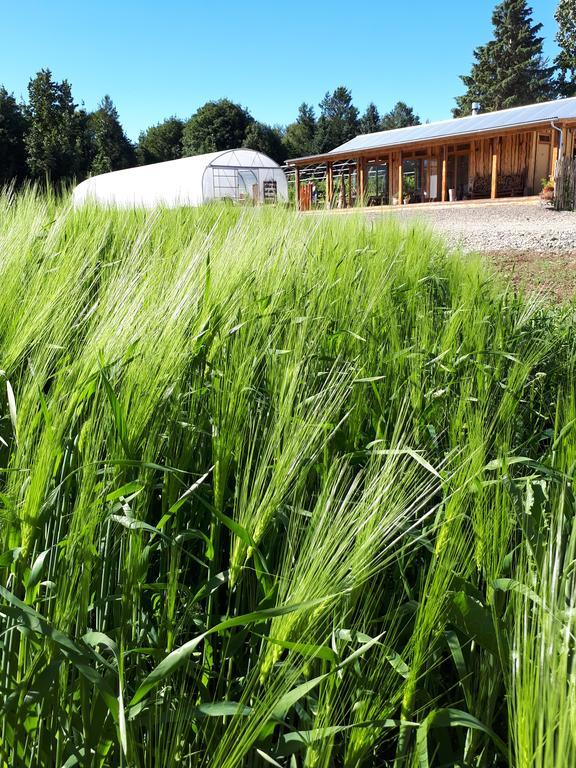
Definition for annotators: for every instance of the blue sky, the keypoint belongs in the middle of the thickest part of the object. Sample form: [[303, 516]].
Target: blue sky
[[156, 59]]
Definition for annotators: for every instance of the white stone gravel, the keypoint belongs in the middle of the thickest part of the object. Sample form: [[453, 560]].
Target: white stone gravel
[[529, 226]]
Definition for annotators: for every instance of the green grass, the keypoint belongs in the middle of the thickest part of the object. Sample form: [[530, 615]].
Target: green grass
[[278, 490]]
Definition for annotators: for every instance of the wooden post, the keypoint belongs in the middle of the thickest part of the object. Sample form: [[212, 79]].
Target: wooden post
[[349, 187], [531, 181], [494, 180], [297, 187], [444, 172], [400, 181], [329, 185], [360, 182]]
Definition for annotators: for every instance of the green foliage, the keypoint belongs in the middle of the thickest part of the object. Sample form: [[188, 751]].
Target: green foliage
[[338, 121], [12, 132], [370, 120], [111, 149], [400, 116], [54, 134], [265, 139], [510, 70], [278, 490], [161, 142], [566, 39], [216, 126], [300, 136]]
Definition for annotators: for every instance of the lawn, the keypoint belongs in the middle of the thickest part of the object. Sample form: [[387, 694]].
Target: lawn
[[279, 490]]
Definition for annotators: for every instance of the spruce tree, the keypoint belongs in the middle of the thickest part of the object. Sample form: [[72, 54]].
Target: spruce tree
[[566, 38], [400, 116], [300, 136], [370, 120], [338, 120], [112, 150], [510, 70]]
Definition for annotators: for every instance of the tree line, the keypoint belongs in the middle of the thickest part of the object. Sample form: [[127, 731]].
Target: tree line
[[49, 137]]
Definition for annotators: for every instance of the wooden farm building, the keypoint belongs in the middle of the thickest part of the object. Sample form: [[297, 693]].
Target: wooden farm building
[[488, 155]]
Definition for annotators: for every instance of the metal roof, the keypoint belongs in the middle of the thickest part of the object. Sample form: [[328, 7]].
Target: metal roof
[[532, 114]]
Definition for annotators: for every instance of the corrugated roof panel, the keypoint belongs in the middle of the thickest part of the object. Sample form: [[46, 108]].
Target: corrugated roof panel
[[489, 121]]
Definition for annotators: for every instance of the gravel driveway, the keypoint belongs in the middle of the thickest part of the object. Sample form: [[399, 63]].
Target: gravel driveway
[[494, 227]]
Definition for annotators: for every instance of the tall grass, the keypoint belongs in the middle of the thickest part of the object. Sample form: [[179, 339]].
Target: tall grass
[[278, 491]]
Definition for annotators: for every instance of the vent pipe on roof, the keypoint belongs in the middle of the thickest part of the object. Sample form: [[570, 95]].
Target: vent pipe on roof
[[475, 108]]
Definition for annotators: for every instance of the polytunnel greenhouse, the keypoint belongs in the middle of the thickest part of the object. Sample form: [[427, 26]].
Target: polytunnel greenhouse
[[241, 175]]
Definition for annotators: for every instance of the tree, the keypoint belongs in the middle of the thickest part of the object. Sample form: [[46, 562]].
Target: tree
[[370, 120], [566, 38], [217, 125], [338, 120], [400, 116], [112, 149], [53, 138], [161, 142], [300, 136], [266, 139], [510, 70], [12, 132]]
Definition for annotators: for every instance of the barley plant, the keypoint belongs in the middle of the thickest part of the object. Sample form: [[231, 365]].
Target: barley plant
[[278, 491]]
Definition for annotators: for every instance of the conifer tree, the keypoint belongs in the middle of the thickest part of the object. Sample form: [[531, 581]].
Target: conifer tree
[[338, 120], [52, 137], [400, 116], [112, 150], [566, 38], [300, 136], [12, 131], [510, 70], [370, 120]]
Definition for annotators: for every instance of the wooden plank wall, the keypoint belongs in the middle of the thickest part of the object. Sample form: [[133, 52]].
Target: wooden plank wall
[[514, 156]]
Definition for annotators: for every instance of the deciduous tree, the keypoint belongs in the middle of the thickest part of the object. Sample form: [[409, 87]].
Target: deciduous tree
[[266, 139], [160, 142], [217, 125], [566, 38]]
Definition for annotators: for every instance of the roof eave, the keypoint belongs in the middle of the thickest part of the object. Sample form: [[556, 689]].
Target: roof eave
[[334, 155]]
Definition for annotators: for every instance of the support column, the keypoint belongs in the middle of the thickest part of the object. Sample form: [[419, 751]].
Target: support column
[[444, 173], [400, 181], [349, 187], [297, 187], [329, 185], [532, 181], [494, 180], [360, 182]]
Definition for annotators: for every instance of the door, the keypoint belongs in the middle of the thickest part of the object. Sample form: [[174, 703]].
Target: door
[[542, 169], [247, 185]]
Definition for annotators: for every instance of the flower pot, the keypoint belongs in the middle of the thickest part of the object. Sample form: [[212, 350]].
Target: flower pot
[[547, 194]]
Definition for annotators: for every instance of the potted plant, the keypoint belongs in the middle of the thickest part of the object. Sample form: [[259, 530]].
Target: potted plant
[[547, 189]]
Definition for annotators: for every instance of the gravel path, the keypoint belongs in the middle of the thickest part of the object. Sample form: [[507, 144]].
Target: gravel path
[[497, 227]]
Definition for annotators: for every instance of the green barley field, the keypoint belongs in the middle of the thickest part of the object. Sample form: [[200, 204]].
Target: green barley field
[[279, 491]]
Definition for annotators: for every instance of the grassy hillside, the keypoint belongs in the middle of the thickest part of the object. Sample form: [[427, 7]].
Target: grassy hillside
[[278, 491]]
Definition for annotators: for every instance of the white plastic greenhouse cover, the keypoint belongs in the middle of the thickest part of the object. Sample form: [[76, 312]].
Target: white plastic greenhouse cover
[[231, 174]]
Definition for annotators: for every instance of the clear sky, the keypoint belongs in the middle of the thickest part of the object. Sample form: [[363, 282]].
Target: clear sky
[[156, 59]]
